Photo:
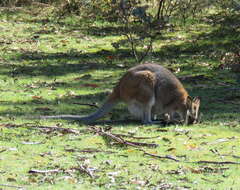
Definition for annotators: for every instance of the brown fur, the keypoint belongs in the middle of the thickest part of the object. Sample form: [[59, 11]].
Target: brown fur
[[142, 83]]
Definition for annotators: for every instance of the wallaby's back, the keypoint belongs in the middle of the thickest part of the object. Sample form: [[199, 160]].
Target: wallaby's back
[[165, 83], [152, 80]]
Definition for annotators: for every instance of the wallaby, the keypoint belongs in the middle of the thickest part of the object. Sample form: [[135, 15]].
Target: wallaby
[[147, 89]]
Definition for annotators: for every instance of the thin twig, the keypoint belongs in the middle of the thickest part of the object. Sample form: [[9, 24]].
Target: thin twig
[[3, 150], [115, 138], [194, 162], [12, 186], [85, 170], [134, 137], [143, 144], [88, 150], [61, 129], [33, 126], [214, 162], [162, 157], [44, 171], [146, 52], [131, 40], [214, 182]]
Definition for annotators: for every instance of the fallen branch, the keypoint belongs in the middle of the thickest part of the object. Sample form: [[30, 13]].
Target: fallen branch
[[120, 140], [88, 150], [12, 186], [61, 129], [101, 132], [31, 143], [44, 171], [214, 162], [153, 145], [194, 162], [32, 126], [162, 157], [3, 150], [86, 170], [211, 181]]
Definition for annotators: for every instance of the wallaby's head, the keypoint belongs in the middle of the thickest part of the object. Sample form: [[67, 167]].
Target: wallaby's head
[[193, 105]]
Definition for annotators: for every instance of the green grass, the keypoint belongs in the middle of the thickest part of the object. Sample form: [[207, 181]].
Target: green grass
[[47, 67]]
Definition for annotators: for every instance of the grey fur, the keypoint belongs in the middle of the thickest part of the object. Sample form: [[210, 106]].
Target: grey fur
[[105, 108]]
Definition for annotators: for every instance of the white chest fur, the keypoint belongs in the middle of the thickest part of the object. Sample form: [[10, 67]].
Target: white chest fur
[[136, 109]]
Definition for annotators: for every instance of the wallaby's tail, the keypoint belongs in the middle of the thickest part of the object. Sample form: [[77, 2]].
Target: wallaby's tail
[[104, 109]]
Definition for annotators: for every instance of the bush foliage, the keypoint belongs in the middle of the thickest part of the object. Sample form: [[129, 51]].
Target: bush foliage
[[163, 9]]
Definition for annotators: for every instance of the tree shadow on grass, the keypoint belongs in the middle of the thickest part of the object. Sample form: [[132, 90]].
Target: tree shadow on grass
[[223, 39], [57, 64]]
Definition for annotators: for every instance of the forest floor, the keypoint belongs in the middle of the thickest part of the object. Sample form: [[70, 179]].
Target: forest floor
[[68, 67]]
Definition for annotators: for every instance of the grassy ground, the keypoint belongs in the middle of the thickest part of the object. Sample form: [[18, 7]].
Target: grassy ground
[[52, 68]]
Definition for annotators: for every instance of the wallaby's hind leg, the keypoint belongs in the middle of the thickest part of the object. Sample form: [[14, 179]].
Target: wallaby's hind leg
[[147, 112], [141, 110], [146, 118], [138, 92]]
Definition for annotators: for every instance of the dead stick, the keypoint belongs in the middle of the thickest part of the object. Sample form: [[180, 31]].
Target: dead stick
[[44, 171], [69, 130], [118, 139], [3, 150], [196, 162], [144, 144], [130, 143], [121, 140], [162, 157], [12, 186], [107, 134], [31, 125], [134, 137], [214, 162], [85, 170]]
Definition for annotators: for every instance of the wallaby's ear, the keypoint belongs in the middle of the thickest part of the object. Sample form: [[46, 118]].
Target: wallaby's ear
[[197, 100], [189, 101]]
